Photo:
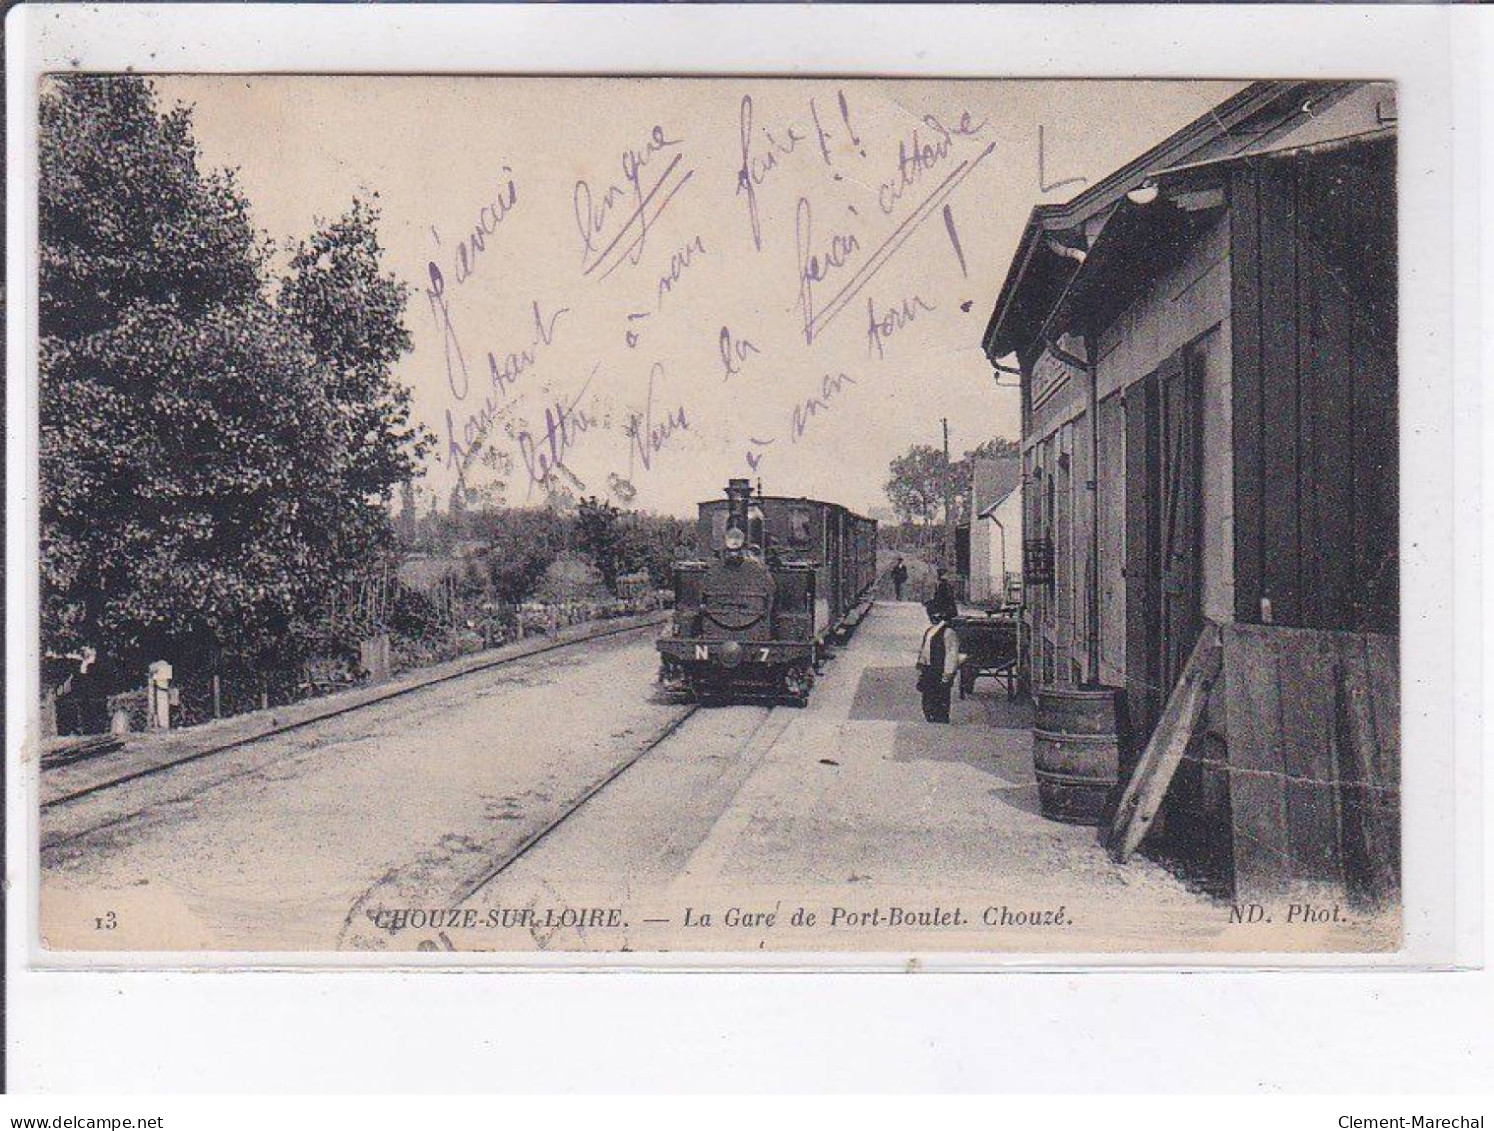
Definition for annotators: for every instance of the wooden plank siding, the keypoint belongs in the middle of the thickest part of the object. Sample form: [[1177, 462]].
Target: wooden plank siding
[[1314, 390], [1279, 441], [1327, 377], [1376, 389], [1311, 704], [1143, 701], [1111, 489], [1314, 767], [1245, 352], [1369, 733], [1257, 793]]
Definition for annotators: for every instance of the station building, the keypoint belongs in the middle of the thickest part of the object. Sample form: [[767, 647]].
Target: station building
[[1206, 340]]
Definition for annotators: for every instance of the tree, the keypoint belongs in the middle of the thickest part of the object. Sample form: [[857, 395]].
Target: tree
[[126, 216], [176, 452], [653, 543], [208, 457], [597, 536], [352, 314], [145, 263], [919, 477], [915, 486], [521, 546], [407, 523]]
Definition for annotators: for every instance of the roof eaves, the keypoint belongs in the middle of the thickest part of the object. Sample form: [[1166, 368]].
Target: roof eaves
[[1047, 217], [1228, 161], [1030, 242]]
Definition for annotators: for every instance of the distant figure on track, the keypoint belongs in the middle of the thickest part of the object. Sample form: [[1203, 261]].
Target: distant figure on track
[[938, 664], [899, 578]]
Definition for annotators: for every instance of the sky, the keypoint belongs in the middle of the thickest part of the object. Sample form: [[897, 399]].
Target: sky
[[639, 288]]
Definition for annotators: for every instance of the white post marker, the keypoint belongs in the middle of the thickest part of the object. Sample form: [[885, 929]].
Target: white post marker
[[158, 692]]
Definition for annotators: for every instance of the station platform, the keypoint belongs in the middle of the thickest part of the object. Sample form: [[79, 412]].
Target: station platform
[[852, 809], [861, 789]]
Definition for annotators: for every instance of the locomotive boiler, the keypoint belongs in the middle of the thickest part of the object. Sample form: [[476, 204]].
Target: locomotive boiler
[[777, 578]]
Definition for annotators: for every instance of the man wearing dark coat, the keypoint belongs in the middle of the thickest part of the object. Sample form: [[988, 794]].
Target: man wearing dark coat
[[944, 598], [938, 664], [899, 578]]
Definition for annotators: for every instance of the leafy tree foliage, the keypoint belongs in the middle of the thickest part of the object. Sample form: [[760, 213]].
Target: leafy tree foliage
[[210, 459], [915, 486], [521, 545], [175, 463], [126, 215], [649, 543], [918, 478], [597, 536], [352, 315]]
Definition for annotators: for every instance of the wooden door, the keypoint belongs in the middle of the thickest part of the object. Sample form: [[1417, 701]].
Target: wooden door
[[1111, 492], [1180, 552], [1063, 557], [1164, 523], [1142, 405]]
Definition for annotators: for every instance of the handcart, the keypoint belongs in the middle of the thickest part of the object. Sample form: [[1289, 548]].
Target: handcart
[[988, 643]]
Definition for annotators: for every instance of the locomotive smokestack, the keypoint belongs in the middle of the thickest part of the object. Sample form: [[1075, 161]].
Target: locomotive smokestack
[[738, 494]]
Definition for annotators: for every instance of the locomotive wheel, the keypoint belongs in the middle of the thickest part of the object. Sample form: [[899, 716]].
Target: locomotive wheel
[[798, 681]]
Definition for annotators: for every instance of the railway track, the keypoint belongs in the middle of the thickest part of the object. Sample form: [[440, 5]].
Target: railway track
[[358, 931], [96, 807], [753, 738], [533, 841], [95, 788], [429, 863]]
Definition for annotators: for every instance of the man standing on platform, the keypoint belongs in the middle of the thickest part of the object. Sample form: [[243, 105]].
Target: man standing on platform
[[938, 664], [944, 597], [899, 578]]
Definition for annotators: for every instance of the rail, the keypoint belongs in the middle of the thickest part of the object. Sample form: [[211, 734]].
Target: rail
[[307, 713]]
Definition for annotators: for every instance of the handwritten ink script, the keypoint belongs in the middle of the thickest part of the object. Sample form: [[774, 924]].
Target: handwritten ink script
[[816, 267], [595, 211], [730, 238], [649, 435]]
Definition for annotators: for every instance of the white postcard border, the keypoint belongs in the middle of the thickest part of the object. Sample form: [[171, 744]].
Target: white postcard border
[[1415, 46]]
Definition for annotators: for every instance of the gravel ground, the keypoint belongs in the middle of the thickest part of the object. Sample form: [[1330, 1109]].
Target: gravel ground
[[272, 846], [453, 818], [852, 810]]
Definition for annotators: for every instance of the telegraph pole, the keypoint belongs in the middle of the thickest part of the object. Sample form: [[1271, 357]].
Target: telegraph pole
[[949, 522]]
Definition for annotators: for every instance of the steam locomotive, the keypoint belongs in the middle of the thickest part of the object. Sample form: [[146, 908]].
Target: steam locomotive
[[783, 576]]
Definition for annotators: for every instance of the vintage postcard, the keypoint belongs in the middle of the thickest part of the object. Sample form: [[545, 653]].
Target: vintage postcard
[[641, 515]]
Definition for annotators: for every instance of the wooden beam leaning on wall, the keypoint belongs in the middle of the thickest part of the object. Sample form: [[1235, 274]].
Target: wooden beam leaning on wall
[[1147, 787]]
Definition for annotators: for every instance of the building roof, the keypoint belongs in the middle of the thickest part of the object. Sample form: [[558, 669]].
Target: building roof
[[1140, 237], [992, 480], [1263, 119]]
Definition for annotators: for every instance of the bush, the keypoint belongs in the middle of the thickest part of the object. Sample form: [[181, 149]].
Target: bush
[[571, 579]]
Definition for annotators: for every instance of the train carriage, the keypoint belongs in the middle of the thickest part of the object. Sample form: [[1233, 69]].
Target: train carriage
[[777, 577]]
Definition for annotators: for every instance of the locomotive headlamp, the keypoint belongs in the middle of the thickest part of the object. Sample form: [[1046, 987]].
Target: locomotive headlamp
[[735, 539]]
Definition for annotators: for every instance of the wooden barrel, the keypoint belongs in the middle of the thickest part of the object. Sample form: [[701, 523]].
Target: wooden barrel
[[1076, 752]]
